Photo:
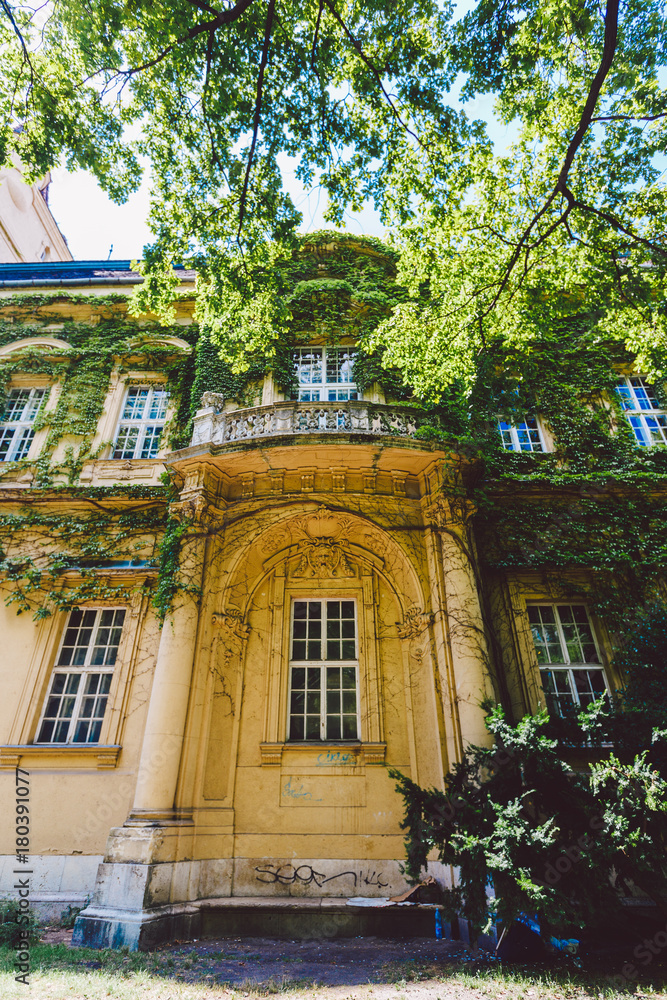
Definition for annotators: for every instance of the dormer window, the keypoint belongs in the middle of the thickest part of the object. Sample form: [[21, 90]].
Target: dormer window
[[647, 418], [141, 423], [525, 435], [17, 428], [324, 374]]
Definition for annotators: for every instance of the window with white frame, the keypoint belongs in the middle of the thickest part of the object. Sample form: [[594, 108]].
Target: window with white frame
[[17, 425], [141, 422], [643, 412], [572, 674], [81, 681], [324, 374], [324, 698], [522, 436]]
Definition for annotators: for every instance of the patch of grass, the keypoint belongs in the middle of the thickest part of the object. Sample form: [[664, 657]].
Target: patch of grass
[[62, 973], [531, 983]]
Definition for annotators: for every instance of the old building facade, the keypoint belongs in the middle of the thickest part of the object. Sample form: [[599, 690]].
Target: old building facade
[[325, 618]]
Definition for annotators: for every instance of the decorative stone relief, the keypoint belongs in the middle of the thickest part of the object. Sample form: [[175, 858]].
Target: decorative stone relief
[[277, 480], [447, 513], [416, 621], [338, 479], [323, 559], [232, 623], [213, 399], [398, 480], [247, 484], [370, 479], [322, 535]]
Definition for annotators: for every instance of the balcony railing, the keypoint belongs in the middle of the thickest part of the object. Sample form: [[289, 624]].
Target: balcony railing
[[211, 426]]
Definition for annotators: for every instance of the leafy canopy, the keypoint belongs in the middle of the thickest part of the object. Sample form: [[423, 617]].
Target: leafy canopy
[[495, 244]]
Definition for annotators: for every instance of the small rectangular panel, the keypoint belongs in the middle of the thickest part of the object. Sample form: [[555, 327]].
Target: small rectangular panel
[[327, 791]]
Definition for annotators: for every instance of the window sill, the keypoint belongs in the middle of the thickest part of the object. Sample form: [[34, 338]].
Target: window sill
[[57, 754], [328, 753]]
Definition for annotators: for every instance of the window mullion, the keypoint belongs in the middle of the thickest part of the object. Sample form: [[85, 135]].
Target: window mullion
[[561, 638], [76, 707], [323, 702]]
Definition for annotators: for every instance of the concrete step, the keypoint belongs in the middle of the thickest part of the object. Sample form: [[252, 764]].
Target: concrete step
[[311, 918]]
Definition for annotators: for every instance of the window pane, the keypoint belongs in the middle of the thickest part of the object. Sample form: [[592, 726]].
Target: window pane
[[22, 442], [151, 444], [308, 363], [350, 727], [158, 407], [126, 442], [340, 363], [334, 727], [135, 404], [557, 691], [305, 703], [297, 728], [312, 727], [506, 435], [307, 625], [545, 635]]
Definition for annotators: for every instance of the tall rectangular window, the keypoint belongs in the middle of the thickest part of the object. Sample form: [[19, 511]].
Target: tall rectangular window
[[17, 425], [647, 418], [323, 701], [325, 374], [77, 698], [141, 423], [572, 675], [522, 436]]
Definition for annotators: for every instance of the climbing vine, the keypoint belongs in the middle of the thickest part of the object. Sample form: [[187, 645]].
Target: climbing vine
[[587, 506]]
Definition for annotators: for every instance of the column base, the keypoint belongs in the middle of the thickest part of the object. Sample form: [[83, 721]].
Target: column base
[[106, 927]]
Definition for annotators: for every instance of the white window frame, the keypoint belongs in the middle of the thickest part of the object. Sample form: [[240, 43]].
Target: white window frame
[[517, 436], [647, 419], [311, 391], [84, 670], [566, 665], [23, 429], [143, 424], [322, 664]]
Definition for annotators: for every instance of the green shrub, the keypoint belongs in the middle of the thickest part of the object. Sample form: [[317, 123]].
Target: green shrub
[[16, 926]]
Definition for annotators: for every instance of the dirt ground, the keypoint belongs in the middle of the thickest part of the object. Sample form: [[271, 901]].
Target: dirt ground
[[353, 969], [339, 962]]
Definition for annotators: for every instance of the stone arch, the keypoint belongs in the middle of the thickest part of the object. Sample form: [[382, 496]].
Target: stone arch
[[315, 535], [45, 344], [149, 341]]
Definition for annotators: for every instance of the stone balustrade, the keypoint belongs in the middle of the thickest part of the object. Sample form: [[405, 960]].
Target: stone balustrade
[[212, 425]]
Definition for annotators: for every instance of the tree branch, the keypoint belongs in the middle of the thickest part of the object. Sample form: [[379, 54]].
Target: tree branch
[[258, 111], [222, 18]]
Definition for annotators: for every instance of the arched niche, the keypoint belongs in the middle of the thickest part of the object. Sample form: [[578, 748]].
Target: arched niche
[[174, 343], [46, 344]]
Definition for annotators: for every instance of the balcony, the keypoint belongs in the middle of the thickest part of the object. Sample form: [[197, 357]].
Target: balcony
[[214, 426]]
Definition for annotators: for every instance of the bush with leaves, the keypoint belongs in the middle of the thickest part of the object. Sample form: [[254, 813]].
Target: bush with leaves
[[529, 835], [17, 926]]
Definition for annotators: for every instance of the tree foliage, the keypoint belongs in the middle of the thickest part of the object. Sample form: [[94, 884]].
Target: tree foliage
[[369, 101], [530, 836]]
